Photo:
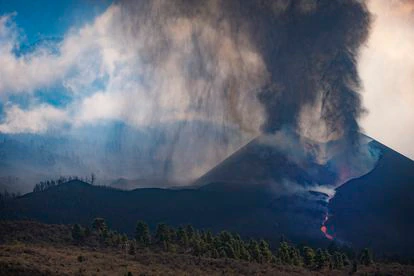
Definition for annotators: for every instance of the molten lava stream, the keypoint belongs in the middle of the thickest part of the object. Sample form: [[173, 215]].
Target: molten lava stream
[[324, 229]]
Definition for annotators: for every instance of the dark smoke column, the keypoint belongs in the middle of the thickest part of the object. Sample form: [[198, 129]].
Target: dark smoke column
[[311, 49]]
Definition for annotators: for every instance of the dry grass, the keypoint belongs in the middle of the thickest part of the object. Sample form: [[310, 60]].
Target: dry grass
[[30, 248], [18, 259], [40, 259]]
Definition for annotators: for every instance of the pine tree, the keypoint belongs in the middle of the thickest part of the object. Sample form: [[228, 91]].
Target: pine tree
[[365, 257], [131, 249], [78, 233], [189, 229], [320, 259], [182, 237], [254, 251], [99, 225], [87, 231], [284, 253], [308, 256], [209, 237], [142, 234], [162, 233], [354, 266], [265, 252], [197, 247], [244, 253], [338, 261], [215, 254], [295, 257]]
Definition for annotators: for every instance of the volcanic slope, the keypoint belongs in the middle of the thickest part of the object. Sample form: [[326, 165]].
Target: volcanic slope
[[376, 210]]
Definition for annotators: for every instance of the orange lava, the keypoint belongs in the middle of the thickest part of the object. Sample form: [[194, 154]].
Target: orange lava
[[325, 232]]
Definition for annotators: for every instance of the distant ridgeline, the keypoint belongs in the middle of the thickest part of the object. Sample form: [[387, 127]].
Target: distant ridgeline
[[44, 185], [251, 210]]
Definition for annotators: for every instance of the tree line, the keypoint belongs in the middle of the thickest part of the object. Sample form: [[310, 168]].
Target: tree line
[[45, 185], [5, 197], [223, 245]]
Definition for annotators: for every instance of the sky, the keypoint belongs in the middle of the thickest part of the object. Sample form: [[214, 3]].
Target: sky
[[386, 67], [64, 64]]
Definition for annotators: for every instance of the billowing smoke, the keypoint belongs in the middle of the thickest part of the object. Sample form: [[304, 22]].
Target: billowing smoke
[[194, 80], [298, 58]]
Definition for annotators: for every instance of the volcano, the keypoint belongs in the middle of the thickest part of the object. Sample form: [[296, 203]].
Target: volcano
[[280, 185], [370, 197]]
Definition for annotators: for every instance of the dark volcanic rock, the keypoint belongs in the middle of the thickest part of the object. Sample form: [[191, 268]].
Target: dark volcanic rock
[[376, 210]]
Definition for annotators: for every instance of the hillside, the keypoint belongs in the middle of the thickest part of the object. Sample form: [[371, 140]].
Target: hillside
[[376, 210], [251, 210]]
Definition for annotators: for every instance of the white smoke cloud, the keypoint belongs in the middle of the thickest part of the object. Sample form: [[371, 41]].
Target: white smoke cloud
[[387, 69], [143, 77], [138, 88], [36, 120]]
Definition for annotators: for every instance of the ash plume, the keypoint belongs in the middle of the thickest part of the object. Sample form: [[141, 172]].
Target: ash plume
[[302, 57], [190, 81]]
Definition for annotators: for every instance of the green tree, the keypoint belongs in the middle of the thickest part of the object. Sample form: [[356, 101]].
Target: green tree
[[337, 260], [197, 247], [209, 237], [365, 257], [142, 234], [99, 225], [172, 234], [308, 256], [354, 266], [283, 253], [215, 254], [131, 248], [223, 254], [78, 233], [182, 237], [87, 231], [244, 253], [254, 251], [124, 238], [189, 229], [321, 260], [266, 254], [294, 256], [162, 233]]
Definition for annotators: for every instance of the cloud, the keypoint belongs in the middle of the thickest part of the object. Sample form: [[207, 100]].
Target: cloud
[[387, 69], [116, 74], [113, 74], [37, 120], [23, 74]]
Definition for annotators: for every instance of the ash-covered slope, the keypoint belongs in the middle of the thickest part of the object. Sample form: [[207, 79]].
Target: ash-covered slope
[[291, 163], [376, 210], [262, 162]]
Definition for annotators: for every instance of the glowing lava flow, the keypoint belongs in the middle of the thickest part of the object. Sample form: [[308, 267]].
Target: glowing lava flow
[[324, 229]]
